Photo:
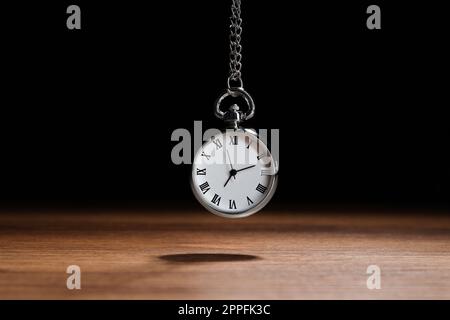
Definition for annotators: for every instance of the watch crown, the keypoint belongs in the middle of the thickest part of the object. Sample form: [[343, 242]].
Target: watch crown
[[233, 117]]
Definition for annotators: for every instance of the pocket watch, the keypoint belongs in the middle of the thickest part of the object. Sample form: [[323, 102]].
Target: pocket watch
[[234, 174]]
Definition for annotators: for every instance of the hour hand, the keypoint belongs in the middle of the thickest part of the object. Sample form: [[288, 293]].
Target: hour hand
[[232, 174], [227, 181]]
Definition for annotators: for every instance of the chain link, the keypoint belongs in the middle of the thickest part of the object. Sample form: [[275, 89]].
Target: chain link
[[235, 44]]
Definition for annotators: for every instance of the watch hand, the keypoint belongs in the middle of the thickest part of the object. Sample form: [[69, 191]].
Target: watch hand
[[232, 174], [227, 181], [246, 168], [229, 159]]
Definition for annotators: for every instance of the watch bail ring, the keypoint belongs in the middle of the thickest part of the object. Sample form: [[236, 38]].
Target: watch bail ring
[[235, 92]]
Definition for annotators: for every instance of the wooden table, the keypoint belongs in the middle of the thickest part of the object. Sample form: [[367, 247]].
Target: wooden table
[[195, 255]]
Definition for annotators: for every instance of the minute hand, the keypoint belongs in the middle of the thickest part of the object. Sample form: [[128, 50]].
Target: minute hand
[[246, 168]]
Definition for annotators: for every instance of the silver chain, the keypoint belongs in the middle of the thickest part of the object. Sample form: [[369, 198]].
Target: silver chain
[[234, 116], [235, 45]]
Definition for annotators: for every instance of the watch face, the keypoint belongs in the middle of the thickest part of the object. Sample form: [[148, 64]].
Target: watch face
[[234, 174]]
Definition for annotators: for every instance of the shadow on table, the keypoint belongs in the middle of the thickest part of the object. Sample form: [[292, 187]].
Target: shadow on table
[[207, 257]]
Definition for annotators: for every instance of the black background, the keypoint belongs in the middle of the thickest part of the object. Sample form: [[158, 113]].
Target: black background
[[87, 115]]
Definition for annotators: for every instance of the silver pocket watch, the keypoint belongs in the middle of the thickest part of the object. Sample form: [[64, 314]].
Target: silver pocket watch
[[234, 174]]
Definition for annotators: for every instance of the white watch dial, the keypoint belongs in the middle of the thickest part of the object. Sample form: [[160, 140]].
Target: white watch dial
[[234, 174]]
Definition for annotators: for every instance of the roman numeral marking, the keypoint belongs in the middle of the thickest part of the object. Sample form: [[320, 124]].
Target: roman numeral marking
[[266, 163], [261, 188], [262, 155], [217, 143], [207, 156], [248, 142], [266, 172], [232, 204], [204, 187], [249, 201], [216, 199], [202, 172], [234, 140]]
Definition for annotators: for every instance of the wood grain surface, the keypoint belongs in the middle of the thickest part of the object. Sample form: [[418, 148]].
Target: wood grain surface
[[195, 255]]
